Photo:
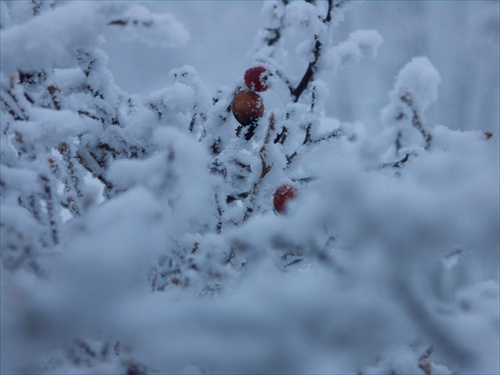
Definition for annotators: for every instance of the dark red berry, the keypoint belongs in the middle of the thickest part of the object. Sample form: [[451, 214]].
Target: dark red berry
[[282, 195], [256, 78], [247, 107]]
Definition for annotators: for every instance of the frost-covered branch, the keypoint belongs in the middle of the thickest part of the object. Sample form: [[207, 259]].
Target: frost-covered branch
[[134, 229], [287, 14], [415, 89], [265, 168], [309, 140], [162, 30], [309, 74], [416, 120]]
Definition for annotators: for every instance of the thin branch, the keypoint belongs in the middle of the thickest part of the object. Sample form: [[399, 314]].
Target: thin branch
[[87, 114], [73, 182], [265, 168], [36, 5], [423, 362], [274, 35], [9, 109], [311, 68], [218, 227], [250, 130], [231, 256], [109, 186], [397, 164], [236, 197], [328, 17], [15, 114], [48, 198], [118, 23], [309, 74], [54, 92], [416, 119], [398, 141], [334, 134], [281, 137], [309, 140], [195, 247], [293, 262]]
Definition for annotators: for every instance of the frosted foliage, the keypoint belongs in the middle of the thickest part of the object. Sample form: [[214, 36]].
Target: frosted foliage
[[48, 127], [359, 45], [273, 10], [34, 45], [302, 15], [422, 79], [139, 234], [156, 30], [19, 12], [368, 41], [418, 77]]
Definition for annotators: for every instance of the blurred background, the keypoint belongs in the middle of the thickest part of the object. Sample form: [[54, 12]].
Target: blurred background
[[461, 39]]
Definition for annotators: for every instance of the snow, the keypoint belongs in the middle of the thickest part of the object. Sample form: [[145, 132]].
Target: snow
[[48, 42], [302, 15], [360, 44], [138, 230], [420, 78], [368, 42], [49, 126], [156, 30]]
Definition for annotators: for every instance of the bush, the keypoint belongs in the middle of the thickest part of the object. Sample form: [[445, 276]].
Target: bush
[[139, 234]]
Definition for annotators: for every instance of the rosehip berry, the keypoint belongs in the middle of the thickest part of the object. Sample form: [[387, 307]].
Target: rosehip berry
[[247, 107], [256, 78], [282, 195]]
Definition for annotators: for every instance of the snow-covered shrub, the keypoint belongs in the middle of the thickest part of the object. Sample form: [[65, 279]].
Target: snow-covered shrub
[[139, 235]]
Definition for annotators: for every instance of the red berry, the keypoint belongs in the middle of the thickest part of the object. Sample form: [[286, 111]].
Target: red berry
[[247, 107], [256, 78], [282, 195]]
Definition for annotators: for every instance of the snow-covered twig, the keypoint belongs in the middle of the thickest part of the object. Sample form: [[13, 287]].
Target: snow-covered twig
[[72, 183], [423, 362], [265, 168], [309, 140], [416, 119]]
